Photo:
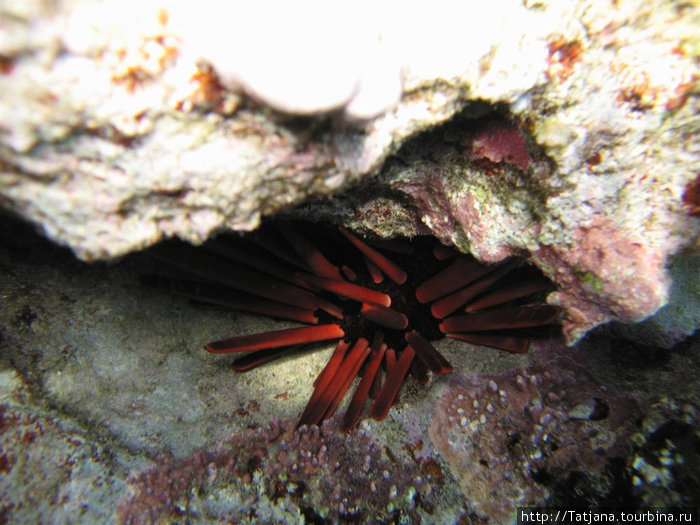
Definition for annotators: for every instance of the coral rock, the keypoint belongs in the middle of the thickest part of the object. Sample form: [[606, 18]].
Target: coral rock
[[571, 128], [503, 436]]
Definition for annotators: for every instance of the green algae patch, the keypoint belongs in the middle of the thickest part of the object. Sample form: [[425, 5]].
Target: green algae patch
[[594, 282]]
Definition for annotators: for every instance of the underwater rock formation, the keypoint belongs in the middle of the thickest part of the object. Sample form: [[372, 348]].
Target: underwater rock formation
[[280, 474], [510, 438], [114, 139]]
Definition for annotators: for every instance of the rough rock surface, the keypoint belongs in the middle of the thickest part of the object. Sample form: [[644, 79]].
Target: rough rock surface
[[111, 411], [571, 137], [503, 434]]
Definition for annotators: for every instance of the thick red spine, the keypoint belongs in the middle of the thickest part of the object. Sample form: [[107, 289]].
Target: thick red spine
[[384, 316], [427, 353], [380, 407], [501, 319], [510, 343], [352, 414], [276, 339], [387, 266], [455, 276], [350, 290]]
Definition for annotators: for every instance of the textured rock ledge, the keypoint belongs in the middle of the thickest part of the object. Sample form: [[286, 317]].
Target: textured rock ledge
[[563, 131]]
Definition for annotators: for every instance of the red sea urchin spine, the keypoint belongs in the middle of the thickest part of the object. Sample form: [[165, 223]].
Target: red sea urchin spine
[[249, 303], [229, 298], [510, 343], [276, 339], [510, 292], [374, 272], [354, 371], [329, 307], [325, 377], [378, 345], [450, 303], [399, 246], [395, 377], [261, 357], [210, 266], [455, 276], [283, 273], [352, 414], [244, 255], [389, 360], [501, 319], [419, 371], [270, 243], [323, 399], [442, 252], [349, 290], [348, 273], [395, 273], [384, 316], [427, 353], [311, 255], [331, 367]]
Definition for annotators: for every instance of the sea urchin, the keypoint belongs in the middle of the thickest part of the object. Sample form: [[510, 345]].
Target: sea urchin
[[382, 301]]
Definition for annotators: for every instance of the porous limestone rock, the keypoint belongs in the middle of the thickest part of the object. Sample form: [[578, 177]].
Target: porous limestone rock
[[560, 130], [569, 434]]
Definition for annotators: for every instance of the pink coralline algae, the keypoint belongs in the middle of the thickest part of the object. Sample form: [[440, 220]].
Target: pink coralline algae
[[608, 274], [504, 435], [497, 141], [281, 474], [466, 211], [45, 466]]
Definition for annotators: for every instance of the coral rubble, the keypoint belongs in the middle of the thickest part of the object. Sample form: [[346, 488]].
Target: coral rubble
[[507, 437]]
